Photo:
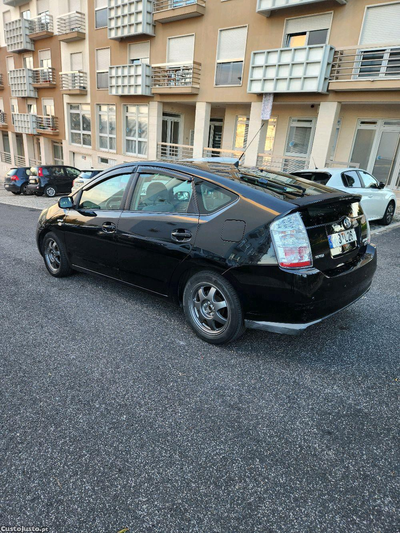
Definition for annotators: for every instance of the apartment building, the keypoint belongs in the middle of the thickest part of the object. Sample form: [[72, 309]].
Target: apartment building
[[295, 83]]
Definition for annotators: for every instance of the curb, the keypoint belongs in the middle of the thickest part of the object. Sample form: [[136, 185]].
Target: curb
[[385, 229]]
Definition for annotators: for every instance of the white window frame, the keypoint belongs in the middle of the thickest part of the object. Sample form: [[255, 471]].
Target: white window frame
[[81, 131], [292, 122], [144, 60], [179, 37], [137, 139], [102, 71], [95, 11], [246, 135], [108, 135], [231, 60], [284, 36]]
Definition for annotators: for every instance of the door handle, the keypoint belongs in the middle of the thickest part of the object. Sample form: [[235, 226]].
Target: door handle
[[181, 235], [109, 227]]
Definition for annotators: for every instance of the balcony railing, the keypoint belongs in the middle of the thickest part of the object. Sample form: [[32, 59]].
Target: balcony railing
[[171, 10], [71, 26], [129, 79], [19, 160], [16, 34], [305, 69], [44, 77], [5, 157], [21, 83], [127, 18], [1, 82], [364, 65], [35, 162], [24, 123], [47, 125], [283, 164], [3, 118], [221, 152], [264, 7], [41, 27], [170, 151], [176, 78], [74, 82]]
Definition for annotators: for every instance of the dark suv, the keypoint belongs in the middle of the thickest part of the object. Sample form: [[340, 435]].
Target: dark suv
[[51, 180], [16, 180]]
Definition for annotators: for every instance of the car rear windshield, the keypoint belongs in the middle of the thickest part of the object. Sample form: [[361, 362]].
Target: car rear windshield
[[87, 175], [12, 172], [318, 177]]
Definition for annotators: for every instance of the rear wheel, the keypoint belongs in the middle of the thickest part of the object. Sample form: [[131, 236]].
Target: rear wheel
[[16, 192], [389, 214], [50, 191], [23, 189], [212, 308], [55, 256]]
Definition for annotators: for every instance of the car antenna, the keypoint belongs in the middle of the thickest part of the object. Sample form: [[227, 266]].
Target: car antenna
[[252, 140], [313, 160]]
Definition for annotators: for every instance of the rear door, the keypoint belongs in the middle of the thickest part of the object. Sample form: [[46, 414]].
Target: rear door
[[157, 229], [71, 173], [376, 197]]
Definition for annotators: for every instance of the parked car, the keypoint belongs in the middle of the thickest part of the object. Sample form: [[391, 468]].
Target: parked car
[[378, 202], [84, 177], [16, 180], [51, 179], [236, 247]]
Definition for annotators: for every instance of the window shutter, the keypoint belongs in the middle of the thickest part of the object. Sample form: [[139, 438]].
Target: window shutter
[[180, 49], [381, 24], [302, 24], [232, 44], [77, 61], [139, 50], [42, 6], [6, 17], [44, 54], [102, 59]]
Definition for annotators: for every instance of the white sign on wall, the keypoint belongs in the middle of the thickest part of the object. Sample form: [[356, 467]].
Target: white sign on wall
[[266, 110]]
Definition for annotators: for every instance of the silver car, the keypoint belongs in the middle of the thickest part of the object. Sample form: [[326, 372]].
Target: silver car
[[84, 177]]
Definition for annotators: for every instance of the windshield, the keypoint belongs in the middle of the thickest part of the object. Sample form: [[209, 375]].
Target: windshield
[[87, 175]]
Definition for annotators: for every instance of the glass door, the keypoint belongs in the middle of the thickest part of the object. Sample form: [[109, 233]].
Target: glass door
[[387, 153], [170, 135]]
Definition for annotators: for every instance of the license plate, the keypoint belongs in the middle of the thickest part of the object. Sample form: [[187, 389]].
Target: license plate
[[344, 237]]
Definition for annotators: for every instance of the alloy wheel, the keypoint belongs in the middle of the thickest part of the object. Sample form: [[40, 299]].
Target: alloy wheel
[[209, 309], [389, 213], [50, 191], [52, 255]]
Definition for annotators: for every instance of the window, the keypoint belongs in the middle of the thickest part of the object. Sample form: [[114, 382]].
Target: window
[[363, 142], [72, 172], [369, 181], [9, 63], [76, 61], [230, 56], [300, 137], [314, 175], [102, 64], [80, 125], [28, 62], [48, 106], [6, 17], [44, 58], [351, 179], [106, 127], [270, 137], [161, 193], [101, 14], [14, 105], [26, 14], [307, 31], [58, 153], [31, 107], [381, 24], [139, 53], [106, 195], [106, 161], [241, 133], [135, 128], [211, 197], [180, 49]]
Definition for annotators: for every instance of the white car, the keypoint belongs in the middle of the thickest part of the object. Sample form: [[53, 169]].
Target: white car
[[84, 177], [378, 202]]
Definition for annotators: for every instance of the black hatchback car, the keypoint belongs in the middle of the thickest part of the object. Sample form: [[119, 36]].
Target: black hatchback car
[[51, 180], [236, 247], [16, 180]]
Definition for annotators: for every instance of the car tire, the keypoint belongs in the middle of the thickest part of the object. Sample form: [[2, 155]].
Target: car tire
[[55, 256], [212, 308], [50, 191], [23, 189], [16, 192], [389, 214]]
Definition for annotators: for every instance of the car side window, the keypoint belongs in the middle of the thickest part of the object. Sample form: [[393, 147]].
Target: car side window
[[57, 172], [160, 193], [350, 179], [106, 195], [72, 172], [369, 181], [211, 197]]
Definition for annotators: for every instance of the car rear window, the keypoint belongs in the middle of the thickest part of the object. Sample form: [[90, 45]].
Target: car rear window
[[211, 197], [317, 177], [12, 172], [87, 175]]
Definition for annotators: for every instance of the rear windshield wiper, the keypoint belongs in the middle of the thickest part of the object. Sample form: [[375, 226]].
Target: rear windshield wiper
[[274, 185]]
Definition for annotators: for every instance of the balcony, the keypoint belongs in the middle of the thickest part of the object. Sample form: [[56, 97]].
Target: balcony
[[129, 79], [44, 77], [368, 69], [1, 82], [21, 83], [176, 78], [127, 18], [291, 70], [174, 152], [41, 27], [47, 125], [5, 157], [3, 120], [264, 7], [74, 82], [171, 10], [16, 35], [14, 3], [71, 27], [24, 123]]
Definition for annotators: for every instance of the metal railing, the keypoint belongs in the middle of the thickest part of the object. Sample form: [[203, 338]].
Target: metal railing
[[35, 162], [283, 164], [220, 152], [5, 157], [42, 23], [342, 164], [46, 124], [44, 76], [366, 63], [71, 22], [3, 118], [19, 161], [1, 80], [73, 80], [176, 75], [170, 151], [164, 5]]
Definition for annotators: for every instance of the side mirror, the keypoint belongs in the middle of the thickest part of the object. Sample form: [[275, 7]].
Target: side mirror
[[381, 185], [65, 202]]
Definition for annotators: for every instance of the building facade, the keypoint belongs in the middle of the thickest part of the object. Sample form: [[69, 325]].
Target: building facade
[[293, 83]]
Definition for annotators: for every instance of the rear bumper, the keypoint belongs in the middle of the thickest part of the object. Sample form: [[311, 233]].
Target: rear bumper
[[279, 300], [11, 187]]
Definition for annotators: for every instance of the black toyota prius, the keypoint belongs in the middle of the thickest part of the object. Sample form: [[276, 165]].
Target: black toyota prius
[[235, 247]]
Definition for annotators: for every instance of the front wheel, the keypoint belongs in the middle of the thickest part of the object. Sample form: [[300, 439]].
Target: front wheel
[[55, 256], [212, 308], [388, 216], [23, 189]]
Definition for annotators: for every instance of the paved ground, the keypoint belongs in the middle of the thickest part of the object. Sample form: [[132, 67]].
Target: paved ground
[[114, 415]]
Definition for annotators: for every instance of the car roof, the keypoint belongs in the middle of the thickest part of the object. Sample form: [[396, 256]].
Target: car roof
[[331, 170]]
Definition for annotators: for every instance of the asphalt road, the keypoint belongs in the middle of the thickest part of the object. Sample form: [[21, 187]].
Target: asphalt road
[[114, 415]]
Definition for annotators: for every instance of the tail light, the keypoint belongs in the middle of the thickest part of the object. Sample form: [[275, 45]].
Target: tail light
[[14, 178], [291, 242], [40, 172]]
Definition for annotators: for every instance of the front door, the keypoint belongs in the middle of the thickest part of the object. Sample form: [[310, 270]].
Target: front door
[[170, 135], [158, 230], [90, 227], [387, 157], [215, 136]]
